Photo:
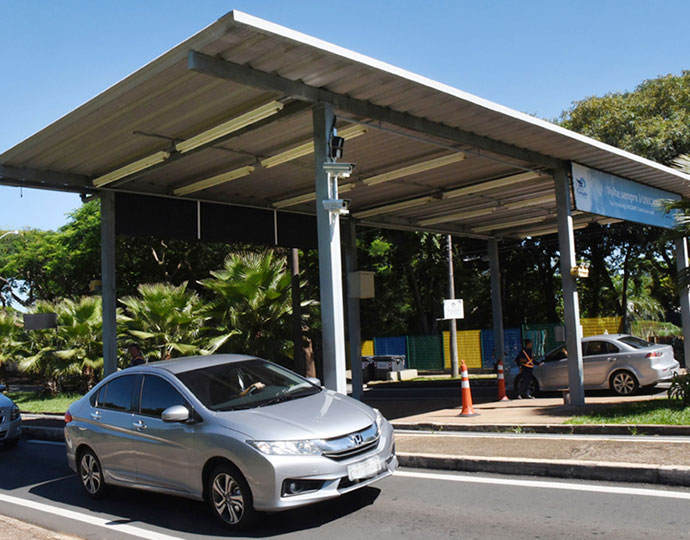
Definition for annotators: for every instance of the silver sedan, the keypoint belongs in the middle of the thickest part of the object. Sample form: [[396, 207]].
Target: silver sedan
[[620, 362], [10, 421], [242, 433]]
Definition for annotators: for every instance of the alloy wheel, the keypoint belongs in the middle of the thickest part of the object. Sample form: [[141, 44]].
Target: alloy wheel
[[624, 383], [227, 498], [91, 477]]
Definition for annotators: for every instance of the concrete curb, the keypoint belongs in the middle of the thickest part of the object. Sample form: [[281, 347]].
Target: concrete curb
[[43, 433], [566, 429], [582, 470]]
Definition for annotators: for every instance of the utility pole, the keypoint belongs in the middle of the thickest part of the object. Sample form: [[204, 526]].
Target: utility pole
[[453, 327]]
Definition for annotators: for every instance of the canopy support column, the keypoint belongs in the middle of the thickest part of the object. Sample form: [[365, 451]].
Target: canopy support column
[[300, 366], [108, 293], [353, 322], [330, 270], [571, 305], [682, 262], [496, 304]]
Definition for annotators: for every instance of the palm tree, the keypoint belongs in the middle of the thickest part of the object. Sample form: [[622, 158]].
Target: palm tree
[[165, 319], [11, 343], [79, 329], [251, 304]]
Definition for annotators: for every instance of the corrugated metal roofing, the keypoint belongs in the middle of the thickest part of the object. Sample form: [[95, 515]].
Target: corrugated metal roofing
[[165, 102]]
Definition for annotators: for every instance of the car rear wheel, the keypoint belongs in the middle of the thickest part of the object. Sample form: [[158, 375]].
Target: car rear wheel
[[230, 498], [91, 475], [624, 383]]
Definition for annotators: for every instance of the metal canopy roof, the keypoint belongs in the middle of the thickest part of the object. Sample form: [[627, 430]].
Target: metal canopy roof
[[429, 157]]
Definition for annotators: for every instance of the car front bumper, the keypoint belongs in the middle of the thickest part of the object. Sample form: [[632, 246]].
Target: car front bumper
[[11, 430], [330, 478]]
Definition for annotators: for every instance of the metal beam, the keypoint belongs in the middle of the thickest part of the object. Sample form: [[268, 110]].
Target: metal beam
[[25, 176], [330, 270], [682, 262], [354, 333], [496, 304], [108, 282], [571, 306], [216, 67]]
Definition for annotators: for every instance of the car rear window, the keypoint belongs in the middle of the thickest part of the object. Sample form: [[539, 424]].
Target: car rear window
[[117, 394], [635, 342]]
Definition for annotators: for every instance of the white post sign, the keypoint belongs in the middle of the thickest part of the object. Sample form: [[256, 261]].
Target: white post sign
[[453, 309]]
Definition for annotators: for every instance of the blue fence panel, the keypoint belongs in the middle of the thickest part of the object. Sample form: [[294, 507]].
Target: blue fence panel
[[396, 346], [511, 346]]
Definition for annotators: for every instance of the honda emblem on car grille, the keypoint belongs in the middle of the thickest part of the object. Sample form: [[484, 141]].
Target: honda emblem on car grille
[[357, 439]]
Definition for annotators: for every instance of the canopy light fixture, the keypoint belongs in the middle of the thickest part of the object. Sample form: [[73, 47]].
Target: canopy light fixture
[[234, 124], [132, 168], [530, 202], [414, 169], [509, 224], [307, 148], [308, 197], [214, 180], [458, 216], [387, 208], [550, 230], [491, 184]]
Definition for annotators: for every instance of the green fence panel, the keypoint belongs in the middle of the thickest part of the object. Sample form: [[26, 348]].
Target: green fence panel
[[425, 353]]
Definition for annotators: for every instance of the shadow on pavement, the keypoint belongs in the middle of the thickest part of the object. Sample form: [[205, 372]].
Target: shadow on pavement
[[134, 507]]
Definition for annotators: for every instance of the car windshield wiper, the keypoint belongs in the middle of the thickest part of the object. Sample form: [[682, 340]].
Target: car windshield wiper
[[287, 397]]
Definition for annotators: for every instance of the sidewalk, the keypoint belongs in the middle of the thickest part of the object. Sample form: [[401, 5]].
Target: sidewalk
[[13, 529]]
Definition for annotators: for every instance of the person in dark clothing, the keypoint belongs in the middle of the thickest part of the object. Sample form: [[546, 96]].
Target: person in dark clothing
[[525, 359], [135, 354]]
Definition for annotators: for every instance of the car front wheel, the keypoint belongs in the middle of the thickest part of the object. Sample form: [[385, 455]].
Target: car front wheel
[[230, 497], [624, 383], [91, 475]]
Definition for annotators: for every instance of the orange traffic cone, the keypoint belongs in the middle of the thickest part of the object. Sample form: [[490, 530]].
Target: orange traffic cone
[[467, 409], [502, 396]]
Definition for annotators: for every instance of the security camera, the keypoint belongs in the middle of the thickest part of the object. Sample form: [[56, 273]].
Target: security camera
[[337, 206], [343, 170]]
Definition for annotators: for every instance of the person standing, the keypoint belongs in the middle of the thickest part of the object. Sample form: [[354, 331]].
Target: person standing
[[525, 359]]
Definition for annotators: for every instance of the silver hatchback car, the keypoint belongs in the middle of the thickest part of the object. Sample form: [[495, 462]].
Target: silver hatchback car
[[242, 433], [620, 362]]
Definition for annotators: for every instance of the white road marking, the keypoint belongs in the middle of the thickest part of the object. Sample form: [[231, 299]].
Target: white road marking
[[107, 523], [685, 495], [55, 443]]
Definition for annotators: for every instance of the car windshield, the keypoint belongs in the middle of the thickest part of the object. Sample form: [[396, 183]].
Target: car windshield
[[245, 385], [635, 342]]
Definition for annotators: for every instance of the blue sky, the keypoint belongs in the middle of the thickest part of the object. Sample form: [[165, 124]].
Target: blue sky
[[534, 56]]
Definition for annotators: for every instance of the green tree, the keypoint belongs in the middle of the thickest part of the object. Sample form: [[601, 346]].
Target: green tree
[[12, 343], [652, 121], [251, 304], [166, 320]]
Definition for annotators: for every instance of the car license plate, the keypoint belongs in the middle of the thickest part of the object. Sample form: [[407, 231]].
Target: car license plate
[[364, 469]]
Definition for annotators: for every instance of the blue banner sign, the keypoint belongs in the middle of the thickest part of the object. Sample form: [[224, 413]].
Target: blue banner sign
[[604, 194]]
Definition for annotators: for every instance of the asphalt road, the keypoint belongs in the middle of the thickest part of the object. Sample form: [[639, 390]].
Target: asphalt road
[[37, 486]]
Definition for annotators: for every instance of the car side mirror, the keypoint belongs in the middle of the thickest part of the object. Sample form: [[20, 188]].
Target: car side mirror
[[176, 413], [315, 380]]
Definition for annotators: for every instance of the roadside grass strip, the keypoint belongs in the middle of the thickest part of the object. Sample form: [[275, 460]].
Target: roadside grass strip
[[567, 486], [656, 411], [36, 402], [89, 519]]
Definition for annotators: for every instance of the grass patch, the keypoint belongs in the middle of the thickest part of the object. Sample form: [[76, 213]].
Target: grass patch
[[656, 411], [36, 402]]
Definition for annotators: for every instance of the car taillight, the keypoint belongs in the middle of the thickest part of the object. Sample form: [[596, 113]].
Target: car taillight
[[653, 354], [68, 417]]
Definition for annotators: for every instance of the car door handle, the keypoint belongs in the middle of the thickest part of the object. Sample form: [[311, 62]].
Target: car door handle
[[139, 425], [96, 415], [610, 359]]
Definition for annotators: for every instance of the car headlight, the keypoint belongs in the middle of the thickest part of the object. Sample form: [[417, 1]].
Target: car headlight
[[379, 419], [287, 448], [14, 414]]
